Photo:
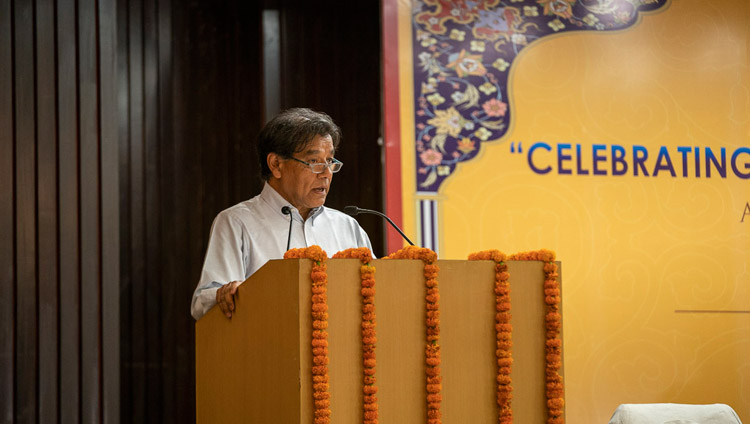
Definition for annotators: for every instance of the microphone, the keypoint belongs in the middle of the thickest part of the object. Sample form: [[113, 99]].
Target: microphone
[[286, 210], [354, 211]]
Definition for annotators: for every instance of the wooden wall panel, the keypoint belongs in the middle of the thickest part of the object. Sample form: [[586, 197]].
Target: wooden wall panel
[[46, 169], [88, 128], [7, 227], [125, 127], [191, 85], [330, 61], [110, 210], [56, 120], [26, 318], [69, 253]]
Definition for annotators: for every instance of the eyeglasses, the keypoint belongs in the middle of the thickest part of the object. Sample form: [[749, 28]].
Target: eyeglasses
[[319, 167]]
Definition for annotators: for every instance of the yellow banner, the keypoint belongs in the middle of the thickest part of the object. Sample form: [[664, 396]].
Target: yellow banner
[[626, 150]]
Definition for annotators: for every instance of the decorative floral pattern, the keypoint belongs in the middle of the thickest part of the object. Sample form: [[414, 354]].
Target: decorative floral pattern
[[463, 51]]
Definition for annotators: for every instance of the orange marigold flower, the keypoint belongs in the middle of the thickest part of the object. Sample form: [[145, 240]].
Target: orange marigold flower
[[556, 403], [432, 372], [554, 343], [505, 362], [435, 380], [319, 369], [321, 395], [503, 379], [434, 398]]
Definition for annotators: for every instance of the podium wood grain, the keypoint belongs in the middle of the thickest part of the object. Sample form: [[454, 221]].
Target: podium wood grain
[[255, 368]]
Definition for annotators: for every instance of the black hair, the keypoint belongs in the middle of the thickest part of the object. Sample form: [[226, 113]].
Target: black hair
[[290, 131]]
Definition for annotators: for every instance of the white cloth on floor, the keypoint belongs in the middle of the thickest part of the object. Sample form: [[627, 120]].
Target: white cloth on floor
[[674, 413]]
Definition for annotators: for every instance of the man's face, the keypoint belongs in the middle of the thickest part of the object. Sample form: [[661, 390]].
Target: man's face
[[297, 183]]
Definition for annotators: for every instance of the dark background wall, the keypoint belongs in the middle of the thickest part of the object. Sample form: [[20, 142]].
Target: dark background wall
[[125, 126], [59, 224]]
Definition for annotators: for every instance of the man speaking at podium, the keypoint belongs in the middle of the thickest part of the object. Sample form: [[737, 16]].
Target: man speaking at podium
[[295, 152]]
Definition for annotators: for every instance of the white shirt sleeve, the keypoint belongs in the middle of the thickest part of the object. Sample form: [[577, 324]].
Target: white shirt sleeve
[[224, 263]]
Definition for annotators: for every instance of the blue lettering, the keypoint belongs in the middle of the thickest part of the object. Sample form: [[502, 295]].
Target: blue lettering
[[580, 170], [639, 160], [710, 158], [684, 151], [697, 162], [663, 157], [736, 170], [595, 149], [538, 145], [618, 157], [561, 157]]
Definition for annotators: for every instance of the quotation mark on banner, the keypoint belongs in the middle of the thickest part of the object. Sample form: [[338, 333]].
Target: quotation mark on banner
[[513, 147]]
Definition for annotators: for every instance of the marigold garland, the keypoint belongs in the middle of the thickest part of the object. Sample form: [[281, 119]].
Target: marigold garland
[[319, 312], [367, 276], [503, 331], [555, 391], [432, 320]]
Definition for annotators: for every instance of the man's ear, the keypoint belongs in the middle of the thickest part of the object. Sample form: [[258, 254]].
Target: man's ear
[[274, 164]]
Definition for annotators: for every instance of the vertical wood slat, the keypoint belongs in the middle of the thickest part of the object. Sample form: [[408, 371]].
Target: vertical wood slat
[[70, 253], [136, 244], [168, 196], [110, 210], [58, 212], [89, 214], [125, 280], [26, 388], [151, 176], [7, 233], [47, 211], [184, 388]]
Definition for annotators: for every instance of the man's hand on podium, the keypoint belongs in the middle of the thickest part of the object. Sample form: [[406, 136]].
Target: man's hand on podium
[[225, 297]]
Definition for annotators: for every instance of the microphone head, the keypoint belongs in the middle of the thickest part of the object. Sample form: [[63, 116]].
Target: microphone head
[[286, 210], [351, 210]]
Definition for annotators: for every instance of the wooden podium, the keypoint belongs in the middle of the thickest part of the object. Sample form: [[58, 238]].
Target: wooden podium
[[256, 367]]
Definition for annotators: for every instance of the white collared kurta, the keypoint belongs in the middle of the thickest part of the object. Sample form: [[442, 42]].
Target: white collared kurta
[[249, 234]]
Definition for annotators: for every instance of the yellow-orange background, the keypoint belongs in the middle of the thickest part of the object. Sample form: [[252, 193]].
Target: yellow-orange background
[[635, 250]]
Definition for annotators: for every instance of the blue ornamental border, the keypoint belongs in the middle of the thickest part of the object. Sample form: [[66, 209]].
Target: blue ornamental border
[[463, 51]]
